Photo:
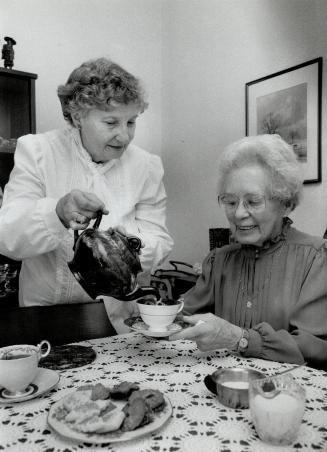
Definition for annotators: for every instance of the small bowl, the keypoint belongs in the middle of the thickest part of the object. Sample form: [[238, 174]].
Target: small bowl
[[232, 385]]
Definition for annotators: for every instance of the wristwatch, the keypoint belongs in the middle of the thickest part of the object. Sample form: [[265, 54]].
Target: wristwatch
[[243, 342]]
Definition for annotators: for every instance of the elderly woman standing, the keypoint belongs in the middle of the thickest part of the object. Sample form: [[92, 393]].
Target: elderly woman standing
[[63, 177], [268, 290]]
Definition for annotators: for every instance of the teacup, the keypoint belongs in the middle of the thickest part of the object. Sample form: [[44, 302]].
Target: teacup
[[159, 315], [19, 366]]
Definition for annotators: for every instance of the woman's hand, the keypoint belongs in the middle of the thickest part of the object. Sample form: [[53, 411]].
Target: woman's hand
[[77, 208], [209, 332]]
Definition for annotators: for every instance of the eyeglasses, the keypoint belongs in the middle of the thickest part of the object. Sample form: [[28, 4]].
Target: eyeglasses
[[252, 203]]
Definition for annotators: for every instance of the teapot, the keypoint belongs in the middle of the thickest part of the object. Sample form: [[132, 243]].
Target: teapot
[[107, 263]]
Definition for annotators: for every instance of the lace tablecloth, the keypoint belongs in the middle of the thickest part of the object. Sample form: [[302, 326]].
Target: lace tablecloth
[[199, 422]]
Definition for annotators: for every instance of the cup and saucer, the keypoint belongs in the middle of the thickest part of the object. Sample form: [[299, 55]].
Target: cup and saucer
[[20, 377], [157, 317]]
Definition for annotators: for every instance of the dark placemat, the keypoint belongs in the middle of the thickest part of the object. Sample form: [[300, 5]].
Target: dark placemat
[[64, 357]]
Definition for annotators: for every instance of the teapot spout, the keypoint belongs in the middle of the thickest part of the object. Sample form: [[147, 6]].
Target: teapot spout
[[141, 292]]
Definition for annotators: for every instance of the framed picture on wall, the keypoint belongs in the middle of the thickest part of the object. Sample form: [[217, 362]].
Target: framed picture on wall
[[289, 103]]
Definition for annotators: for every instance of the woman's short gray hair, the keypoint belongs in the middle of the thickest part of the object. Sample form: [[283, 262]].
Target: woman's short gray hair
[[95, 84], [275, 156]]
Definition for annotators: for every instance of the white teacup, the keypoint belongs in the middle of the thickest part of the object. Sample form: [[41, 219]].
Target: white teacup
[[159, 315], [19, 365]]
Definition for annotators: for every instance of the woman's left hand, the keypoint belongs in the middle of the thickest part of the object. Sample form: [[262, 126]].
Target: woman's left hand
[[209, 332]]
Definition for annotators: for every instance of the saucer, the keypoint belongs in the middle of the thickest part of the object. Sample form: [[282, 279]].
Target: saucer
[[31, 389], [45, 380], [136, 324]]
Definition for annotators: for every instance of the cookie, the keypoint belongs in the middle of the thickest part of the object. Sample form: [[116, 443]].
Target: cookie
[[152, 397], [123, 390], [137, 413], [100, 392]]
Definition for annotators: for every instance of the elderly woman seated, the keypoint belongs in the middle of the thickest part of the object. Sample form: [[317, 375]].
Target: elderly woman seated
[[268, 290]]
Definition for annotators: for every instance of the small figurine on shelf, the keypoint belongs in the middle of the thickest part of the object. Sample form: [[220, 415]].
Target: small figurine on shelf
[[8, 52]]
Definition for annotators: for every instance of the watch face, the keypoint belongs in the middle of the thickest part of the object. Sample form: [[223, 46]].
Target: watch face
[[243, 343]]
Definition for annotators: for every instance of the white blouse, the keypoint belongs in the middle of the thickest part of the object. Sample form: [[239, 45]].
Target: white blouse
[[48, 166]]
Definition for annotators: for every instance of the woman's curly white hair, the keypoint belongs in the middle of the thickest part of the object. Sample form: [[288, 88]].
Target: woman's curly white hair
[[95, 84], [275, 156]]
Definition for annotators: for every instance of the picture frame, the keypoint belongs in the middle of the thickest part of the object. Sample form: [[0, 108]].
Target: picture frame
[[288, 103]]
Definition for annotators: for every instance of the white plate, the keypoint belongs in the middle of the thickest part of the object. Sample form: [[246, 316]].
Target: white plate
[[111, 437], [45, 380], [137, 324]]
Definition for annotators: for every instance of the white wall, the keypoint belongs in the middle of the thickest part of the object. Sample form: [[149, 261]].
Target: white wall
[[195, 57], [211, 49], [55, 36]]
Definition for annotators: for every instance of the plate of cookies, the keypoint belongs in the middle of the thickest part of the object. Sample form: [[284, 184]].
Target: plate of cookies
[[101, 414]]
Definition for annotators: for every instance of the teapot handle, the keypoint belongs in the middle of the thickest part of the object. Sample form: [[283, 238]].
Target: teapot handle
[[75, 238], [98, 219], [95, 226]]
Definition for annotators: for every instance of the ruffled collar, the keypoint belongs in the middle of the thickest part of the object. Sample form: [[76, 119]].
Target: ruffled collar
[[272, 243]]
